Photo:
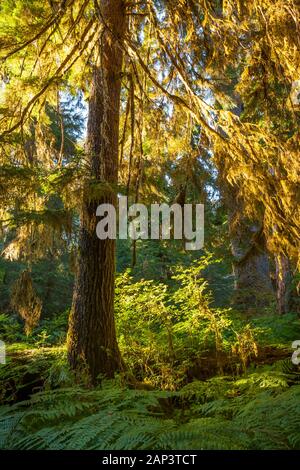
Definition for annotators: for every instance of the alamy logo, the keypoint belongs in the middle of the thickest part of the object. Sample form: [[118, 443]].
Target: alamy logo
[[2, 353], [295, 93], [135, 222], [296, 354]]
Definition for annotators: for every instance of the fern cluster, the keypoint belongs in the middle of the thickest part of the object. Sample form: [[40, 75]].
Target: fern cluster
[[256, 411]]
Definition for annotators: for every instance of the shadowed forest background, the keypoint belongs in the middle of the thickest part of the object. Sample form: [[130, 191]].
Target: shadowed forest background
[[141, 344]]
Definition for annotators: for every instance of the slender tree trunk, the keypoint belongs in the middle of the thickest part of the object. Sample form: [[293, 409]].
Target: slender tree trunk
[[283, 278], [92, 340]]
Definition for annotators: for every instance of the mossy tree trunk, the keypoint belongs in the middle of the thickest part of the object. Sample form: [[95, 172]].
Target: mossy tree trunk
[[251, 268], [283, 281], [92, 342]]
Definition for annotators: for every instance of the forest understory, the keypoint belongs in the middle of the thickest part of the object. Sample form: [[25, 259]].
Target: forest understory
[[178, 390]]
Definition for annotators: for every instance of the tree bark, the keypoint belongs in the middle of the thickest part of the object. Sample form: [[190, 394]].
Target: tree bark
[[92, 342], [251, 269], [283, 279]]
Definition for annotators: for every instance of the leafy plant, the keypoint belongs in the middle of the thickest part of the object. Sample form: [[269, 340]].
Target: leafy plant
[[255, 412]]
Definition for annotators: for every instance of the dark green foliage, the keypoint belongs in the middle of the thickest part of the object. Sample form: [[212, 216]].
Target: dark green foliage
[[11, 328], [258, 411], [30, 370], [277, 329], [51, 277]]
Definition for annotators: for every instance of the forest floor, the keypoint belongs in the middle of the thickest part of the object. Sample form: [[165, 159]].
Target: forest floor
[[251, 407]]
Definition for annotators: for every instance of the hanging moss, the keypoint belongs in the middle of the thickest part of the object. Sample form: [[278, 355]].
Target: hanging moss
[[25, 301]]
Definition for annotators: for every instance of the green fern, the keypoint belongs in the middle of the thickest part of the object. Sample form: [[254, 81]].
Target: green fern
[[248, 413]]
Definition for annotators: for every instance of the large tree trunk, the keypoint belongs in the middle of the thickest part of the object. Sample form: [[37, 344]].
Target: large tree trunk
[[92, 340], [253, 286], [251, 269]]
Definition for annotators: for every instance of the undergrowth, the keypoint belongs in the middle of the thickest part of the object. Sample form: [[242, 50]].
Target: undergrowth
[[258, 410], [245, 399]]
